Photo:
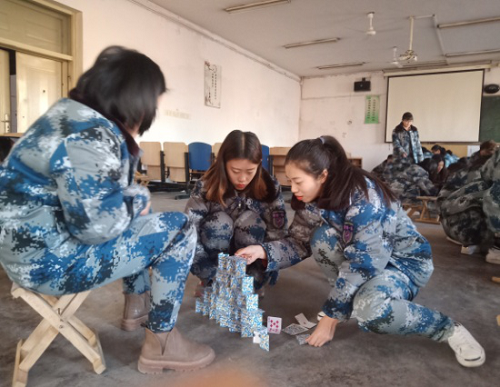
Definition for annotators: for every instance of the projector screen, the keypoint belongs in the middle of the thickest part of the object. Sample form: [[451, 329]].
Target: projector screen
[[446, 107]]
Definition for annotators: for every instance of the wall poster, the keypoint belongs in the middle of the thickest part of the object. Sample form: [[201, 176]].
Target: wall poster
[[212, 85], [372, 109]]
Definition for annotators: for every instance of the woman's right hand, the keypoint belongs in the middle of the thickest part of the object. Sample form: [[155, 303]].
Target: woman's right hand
[[252, 253], [146, 210]]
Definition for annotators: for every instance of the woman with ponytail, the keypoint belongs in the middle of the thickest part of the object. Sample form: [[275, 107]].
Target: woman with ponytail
[[372, 254]]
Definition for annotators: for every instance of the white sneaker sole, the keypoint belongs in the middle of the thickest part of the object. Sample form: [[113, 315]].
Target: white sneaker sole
[[472, 363]]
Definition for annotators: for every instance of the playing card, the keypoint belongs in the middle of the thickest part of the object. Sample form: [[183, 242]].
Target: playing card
[[274, 324], [295, 329], [302, 338], [302, 320]]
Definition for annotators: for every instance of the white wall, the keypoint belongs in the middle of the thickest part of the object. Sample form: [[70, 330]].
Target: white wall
[[254, 97], [330, 106]]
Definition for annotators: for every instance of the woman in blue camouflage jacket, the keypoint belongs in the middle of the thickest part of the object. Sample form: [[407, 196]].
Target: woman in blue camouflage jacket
[[73, 219], [236, 204], [372, 254]]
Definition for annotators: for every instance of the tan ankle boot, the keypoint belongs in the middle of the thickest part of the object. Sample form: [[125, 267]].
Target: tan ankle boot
[[135, 311], [173, 351]]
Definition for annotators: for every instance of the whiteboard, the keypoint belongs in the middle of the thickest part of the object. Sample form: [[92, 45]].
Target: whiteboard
[[446, 107]]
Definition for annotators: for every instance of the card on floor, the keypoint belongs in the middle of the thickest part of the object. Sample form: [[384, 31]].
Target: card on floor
[[302, 338], [295, 329], [274, 324], [302, 320]]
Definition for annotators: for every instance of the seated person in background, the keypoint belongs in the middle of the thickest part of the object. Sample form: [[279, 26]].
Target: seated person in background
[[408, 180], [460, 164], [461, 202], [73, 219], [438, 173], [450, 158], [379, 169], [426, 152], [236, 204], [406, 141], [374, 258]]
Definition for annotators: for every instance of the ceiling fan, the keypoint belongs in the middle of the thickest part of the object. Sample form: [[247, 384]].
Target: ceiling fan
[[371, 31], [409, 54]]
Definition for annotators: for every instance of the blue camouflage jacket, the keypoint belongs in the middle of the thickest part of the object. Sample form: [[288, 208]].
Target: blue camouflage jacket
[[403, 141], [69, 176], [481, 191], [272, 213], [382, 236]]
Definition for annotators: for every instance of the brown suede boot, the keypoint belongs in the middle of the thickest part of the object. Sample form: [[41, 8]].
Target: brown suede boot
[[171, 350], [135, 311]]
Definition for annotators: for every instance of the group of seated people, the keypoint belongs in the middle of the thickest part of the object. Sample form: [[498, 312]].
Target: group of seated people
[[73, 219], [463, 187]]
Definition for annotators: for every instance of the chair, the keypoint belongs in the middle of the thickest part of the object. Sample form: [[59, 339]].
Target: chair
[[425, 215], [265, 158], [278, 155], [58, 317], [152, 159], [199, 159], [215, 148], [175, 161]]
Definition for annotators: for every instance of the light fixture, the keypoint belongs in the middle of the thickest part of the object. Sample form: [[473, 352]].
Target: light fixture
[[409, 54], [256, 5], [339, 65], [483, 52], [469, 22], [311, 42]]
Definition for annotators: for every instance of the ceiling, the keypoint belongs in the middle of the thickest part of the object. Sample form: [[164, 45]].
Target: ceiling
[[265, 31]]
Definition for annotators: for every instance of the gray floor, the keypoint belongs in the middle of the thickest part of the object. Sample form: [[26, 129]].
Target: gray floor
[[460, 287]]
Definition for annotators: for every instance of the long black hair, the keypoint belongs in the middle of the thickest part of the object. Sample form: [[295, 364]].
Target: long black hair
[[326, 153], [238, 145], [124, 86]]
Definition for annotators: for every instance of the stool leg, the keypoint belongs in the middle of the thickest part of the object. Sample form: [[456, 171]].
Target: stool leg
[[60, 315]]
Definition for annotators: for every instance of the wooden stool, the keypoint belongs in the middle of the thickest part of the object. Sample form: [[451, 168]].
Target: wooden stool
[[58, 318], [412, 208], [425, 216]]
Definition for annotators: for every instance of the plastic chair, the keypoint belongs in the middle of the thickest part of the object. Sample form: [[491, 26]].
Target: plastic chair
[[199, 158], [265, 158]]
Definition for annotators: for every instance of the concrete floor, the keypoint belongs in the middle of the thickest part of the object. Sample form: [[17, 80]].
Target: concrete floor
[[460, 287]]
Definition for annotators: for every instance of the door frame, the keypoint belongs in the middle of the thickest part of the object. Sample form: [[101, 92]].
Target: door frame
[[72, 64]]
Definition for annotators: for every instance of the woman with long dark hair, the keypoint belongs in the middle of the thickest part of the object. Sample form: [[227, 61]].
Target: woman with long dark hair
[[372, 254], [236, 204], [72, 218]]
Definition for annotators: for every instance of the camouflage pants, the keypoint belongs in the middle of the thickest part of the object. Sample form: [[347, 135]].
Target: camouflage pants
[[383, 304], [468, 227], [164, 242], [219, 233]]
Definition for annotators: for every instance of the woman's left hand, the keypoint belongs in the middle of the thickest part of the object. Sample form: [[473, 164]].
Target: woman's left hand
[[252, 253], [324, 332]]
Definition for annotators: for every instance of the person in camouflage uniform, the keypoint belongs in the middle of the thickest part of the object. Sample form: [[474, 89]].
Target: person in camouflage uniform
[[406, 141], [73, 219], [236, 204], [370, 251], [408, 181], [471, 213]]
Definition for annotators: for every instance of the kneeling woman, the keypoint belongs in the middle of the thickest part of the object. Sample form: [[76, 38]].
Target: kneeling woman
[[374, 258], [236, 204]]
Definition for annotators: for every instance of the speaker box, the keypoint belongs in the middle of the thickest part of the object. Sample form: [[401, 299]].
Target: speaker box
[[362, 86]]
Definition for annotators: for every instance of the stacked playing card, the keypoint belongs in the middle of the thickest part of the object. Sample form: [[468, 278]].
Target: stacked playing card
[[231, 300]]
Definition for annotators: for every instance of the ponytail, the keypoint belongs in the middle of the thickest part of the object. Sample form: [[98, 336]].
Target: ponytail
[[325, 152]]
